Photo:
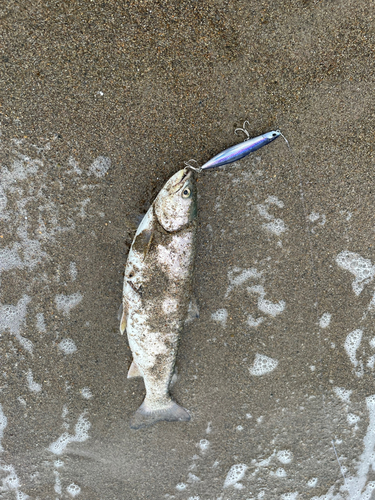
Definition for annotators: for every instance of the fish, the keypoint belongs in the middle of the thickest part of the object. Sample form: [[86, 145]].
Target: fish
[[240, 150], [157, 292]]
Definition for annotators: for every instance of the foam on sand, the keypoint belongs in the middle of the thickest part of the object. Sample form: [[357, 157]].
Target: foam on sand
[[358, 486], [81, 434], [86, 393], [65, 303], [276, 226], [192, 478], [204, 445], [74, 164], [13, 319], [181, 486], [33, 386], [371, 362], [313, 217], [235, 474], [236, 277], [67, 346], [325, 320], [262, 365], [40, 324], [220, 316], [280, 472], [11, 482], [57, 485], [284, 456], [100, 166], [289, 496], [342, 394], [352, 342], [312, 482], [3, 424], [362, 269], [264, 305], [252, 322], [274, 200], [73, 271], [3, 202], [73, 490], [352, 419], [30, 249]]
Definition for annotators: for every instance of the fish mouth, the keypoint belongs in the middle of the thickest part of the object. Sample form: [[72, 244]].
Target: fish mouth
[[186, 175]]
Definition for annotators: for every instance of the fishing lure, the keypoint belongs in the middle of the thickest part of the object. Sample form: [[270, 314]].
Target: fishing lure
[[238, 151]]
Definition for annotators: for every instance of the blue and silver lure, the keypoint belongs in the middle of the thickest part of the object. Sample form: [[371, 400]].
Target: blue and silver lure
[[240, 150]]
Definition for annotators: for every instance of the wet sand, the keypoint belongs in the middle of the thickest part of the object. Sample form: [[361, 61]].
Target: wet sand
[[101, 102]]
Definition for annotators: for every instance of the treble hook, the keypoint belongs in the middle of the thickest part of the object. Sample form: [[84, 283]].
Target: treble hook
[[243, 129], [199, 169]]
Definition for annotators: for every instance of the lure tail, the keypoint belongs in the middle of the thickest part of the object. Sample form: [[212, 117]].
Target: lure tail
[[171, 412]]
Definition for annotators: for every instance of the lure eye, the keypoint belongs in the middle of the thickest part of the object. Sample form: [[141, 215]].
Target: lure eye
[[186, 193]]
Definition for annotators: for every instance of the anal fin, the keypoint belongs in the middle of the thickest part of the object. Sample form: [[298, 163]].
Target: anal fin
[[134, 371]]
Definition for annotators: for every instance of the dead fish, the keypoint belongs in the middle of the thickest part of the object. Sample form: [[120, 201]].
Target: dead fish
[[157, 292]]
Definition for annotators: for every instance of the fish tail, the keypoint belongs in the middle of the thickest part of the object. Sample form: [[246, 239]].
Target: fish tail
[[171, 412]]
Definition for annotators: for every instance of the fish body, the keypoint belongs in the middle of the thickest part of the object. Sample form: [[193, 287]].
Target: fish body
[[156, 294], [240, 150]]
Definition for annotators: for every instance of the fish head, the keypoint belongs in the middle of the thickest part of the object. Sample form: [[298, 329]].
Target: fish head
[[176, 204]]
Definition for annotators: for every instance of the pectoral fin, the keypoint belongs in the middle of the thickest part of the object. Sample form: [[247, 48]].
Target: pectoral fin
[[134, 371], [142, 242]]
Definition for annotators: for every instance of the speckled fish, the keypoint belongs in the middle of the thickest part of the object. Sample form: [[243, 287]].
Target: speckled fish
[[157, 292]]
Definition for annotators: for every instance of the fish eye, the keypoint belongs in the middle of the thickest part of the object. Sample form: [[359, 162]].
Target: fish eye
[[186, 193]]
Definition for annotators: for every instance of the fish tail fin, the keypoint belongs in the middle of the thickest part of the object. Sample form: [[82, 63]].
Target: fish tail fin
[[171, 412]]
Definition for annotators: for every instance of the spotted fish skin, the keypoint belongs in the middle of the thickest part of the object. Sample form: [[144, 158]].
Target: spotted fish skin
[[156, 294]]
